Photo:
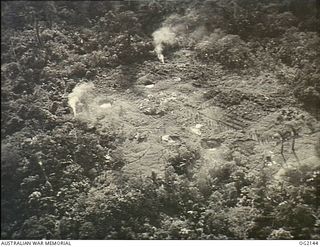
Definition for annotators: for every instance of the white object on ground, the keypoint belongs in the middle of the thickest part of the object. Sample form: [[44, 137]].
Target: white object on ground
[[149, 86], [105, 105], [167, 138], [196, 130]]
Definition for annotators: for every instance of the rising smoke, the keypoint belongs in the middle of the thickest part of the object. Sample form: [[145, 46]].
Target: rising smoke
[[90, 106], [78, 96], [185, 30], [161, 37]]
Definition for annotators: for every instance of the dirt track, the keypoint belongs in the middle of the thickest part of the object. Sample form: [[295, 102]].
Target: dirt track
[[172, 107]]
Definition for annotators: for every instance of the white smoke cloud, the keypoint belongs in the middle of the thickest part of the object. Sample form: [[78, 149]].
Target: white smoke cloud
[[90, 106], [163, 36], [186, 30], [78, 95]]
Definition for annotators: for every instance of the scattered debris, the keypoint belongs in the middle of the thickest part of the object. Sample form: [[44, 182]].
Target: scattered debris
[[168, 139], [197, 129]]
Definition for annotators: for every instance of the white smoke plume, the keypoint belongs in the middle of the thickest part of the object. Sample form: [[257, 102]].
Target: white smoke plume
[[161, 37], [78, 95], [186, 30]]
